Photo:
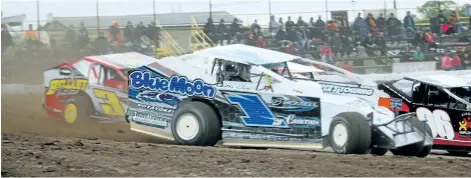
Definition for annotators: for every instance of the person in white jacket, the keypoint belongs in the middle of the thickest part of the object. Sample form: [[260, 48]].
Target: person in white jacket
[[274, 27]]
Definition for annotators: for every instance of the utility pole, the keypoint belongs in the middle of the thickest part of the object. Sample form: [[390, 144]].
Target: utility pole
[[269, 7], [153, 7], [37, 10], [97, 19], [394, 3], [326, 11], [210, 10]]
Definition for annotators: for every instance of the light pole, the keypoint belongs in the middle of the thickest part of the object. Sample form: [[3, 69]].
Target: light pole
[[326, 11], [153, 7], [210, 10], [38, 21], [97, 19]]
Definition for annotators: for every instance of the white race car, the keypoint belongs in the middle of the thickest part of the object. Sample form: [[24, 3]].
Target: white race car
[[201, 98]]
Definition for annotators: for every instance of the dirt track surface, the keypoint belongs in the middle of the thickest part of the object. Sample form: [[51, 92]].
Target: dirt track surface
[[34, 145]]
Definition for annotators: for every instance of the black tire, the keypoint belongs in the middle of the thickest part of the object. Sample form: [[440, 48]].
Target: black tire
[[84, 108], [378, 151], [416, 149], [458, 153], [358, 133], [209, 125]]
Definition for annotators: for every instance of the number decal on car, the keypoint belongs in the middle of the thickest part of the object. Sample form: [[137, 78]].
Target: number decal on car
[[256, 111], [439, 122], [111, 105]]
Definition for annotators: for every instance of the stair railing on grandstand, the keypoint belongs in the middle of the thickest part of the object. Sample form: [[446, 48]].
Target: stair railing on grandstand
[[177, 49], [200, 37]]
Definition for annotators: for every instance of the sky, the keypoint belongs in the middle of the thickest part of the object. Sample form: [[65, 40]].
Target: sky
[[246, 10]]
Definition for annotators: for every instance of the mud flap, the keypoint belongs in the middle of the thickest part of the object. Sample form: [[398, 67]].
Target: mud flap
[[401, 132]]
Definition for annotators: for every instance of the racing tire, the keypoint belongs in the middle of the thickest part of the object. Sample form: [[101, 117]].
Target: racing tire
[[378, 151], [416, 149], [78, 111], [458, 153], [350, 133], [197, 124]]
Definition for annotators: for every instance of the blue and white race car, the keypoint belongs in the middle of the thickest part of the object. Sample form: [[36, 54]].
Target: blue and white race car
[[200, 99]]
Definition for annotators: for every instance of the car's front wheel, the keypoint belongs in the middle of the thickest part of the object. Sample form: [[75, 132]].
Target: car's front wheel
[[78, 110], [350, 133], [196, 123]]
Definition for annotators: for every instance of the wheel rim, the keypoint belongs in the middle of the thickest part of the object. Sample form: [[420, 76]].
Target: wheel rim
[[187, 126], [340, 134], [70, 113]]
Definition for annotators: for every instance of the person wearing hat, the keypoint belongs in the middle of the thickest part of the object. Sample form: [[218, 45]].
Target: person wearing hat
[[453, 21], [115, 35]]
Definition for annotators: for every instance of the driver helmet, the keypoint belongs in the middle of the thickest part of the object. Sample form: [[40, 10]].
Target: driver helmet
[[230, 69], [244, 72]]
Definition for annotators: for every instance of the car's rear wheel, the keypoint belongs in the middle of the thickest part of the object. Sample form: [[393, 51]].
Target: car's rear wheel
[[416, 149], [196, 123], [350, 133], [79, 110], [458, 153]]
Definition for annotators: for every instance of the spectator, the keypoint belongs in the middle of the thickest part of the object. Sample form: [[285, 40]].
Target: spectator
[[7, 40], [381, 23], [453, 21], [417, 55], [31, 37], [289, 48], [128, 32], [301, 22], [257, 33], [83, 38], [282, 24], [446, 62], [381, 43], [261, 43], [409, 23], [371, 22], [255, 26], [281, 35], [326, 55], [419, 40], [320, 24], [369, 45], [274, 27], [101, 44], [393, 25], [347, 67], [115, 35], [222, 33], [346, 45], [292, 36], [153, 33], [140, 31], [430, 39], [235, 40], [337, 45], [70, 36], [235, 27], [289, 24], [441, 18], [251, 41], [210, 30], [456, 62]]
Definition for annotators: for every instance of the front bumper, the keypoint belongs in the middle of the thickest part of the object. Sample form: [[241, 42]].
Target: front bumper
[[401, 131]]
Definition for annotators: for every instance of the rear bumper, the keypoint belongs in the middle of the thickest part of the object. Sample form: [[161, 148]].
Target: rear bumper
[[401, 132]]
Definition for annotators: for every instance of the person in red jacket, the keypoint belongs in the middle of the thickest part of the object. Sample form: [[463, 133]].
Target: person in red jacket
[[289, 48], [430, 39], [456, 62], [261, 43]]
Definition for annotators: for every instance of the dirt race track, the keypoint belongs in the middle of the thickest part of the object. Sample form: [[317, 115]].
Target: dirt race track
[[33, 145]]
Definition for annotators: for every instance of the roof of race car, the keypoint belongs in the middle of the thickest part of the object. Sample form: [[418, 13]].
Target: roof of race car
[[442, 80], [124, 60], [246, 54]]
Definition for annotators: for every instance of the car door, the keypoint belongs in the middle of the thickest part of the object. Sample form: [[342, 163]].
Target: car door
[[108, 96]]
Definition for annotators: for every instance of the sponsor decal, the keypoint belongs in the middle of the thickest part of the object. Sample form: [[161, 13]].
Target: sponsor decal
[[157, 120], [176, 84], [296, 122], [331, 88], [396, 103], [155, 108], [66, 84], [280, 102], [240, 87], [465, 125], [357, 104], [154, 96]]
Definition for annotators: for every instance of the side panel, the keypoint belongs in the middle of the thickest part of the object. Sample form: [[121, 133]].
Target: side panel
[[270, 117]]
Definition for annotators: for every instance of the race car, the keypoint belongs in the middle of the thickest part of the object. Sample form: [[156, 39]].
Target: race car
[[233, 98], [444, 101], [93, 87]]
